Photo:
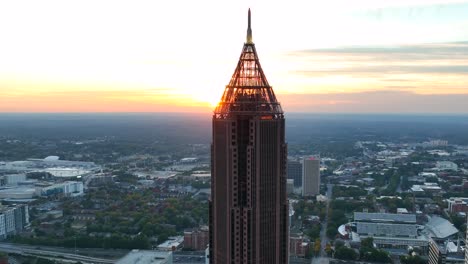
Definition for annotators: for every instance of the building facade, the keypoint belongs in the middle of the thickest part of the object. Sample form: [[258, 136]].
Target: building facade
[[248, 203], [196, 239], [310, 177], [443, 251], [466, 244], [298, 246], [389, 231], [13, 219], [68, 188], [295, 172]]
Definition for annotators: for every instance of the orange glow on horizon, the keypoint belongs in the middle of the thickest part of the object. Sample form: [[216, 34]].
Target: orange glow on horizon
[[59, 56]]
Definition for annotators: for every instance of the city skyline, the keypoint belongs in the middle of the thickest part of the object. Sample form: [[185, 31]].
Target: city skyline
[[334, 57]]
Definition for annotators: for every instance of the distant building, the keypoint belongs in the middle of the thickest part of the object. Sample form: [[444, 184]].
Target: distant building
[[321, 198], [146, 257], [435, 143], [457, 205], [18, 193], [13, 179], [196, 239], [188, 160], [389, 230], [298, 246], [290, 186], [172, 244], [13, 219], [428, 187], [310, 177], [68, 188], [402, 211], [445, 252], [466, 245], [441, 228], [50, 164], [446, 166], [294, 172]]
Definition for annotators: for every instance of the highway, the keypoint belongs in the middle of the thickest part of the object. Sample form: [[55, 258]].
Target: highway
[[53, 252]]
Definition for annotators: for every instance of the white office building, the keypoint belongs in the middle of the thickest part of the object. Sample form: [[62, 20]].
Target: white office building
[[68, 188], [13, 219], [310, 176], [13, 179]]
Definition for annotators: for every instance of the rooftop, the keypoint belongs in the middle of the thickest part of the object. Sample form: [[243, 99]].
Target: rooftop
[[146, 257], [440, 227], [384, 217]]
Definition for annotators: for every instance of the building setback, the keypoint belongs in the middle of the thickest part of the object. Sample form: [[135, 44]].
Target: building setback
[[248, 203]]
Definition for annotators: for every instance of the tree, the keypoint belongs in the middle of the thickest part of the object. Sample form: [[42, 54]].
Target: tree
[[317, 246], [369, 253], [346, 253], [328, 249], [412, 260], [339, 243], [367, 242]]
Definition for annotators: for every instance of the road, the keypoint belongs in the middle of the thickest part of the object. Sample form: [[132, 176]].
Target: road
[[57, 252], [198, 257], [398, 190], [189, 257], [323, 233], [180, 257]]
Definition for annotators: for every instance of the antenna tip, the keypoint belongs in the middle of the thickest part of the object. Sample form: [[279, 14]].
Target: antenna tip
[[249, 31]]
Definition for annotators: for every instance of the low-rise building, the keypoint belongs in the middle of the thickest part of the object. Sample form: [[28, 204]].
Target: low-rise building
[[146, 257], [428, 187], [298, 246], [440, 228], [457, 204], [13, 179], [196, 239], [445, 252], [68, 188], [446, 166], [172, 244], [390, 231]]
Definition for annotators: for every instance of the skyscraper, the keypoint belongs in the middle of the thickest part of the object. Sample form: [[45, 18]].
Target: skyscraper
[[310, 177], [294, 171], [248, 204]]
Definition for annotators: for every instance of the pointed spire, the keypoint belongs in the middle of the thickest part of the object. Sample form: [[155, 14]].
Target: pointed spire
[[249, 32]]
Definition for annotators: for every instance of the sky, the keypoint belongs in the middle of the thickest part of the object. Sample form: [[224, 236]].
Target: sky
[[334, 56]]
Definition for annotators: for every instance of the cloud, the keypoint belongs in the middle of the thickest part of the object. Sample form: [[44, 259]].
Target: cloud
[[397, 69], [402, 52], [423, 68], [375, 102]]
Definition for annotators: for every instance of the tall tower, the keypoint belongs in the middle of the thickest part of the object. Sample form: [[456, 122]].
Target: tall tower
[[310, 176], [248, 204]]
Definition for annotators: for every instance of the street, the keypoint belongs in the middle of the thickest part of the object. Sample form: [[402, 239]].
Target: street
[[322, 259]]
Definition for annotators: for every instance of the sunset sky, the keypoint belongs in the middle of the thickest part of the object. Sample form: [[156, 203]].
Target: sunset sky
[[374, 56]]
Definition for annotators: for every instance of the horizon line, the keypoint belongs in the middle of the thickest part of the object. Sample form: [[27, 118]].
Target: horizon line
[[206, 112]]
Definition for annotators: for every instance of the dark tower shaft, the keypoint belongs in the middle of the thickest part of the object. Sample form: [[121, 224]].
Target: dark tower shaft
[[248, 204]]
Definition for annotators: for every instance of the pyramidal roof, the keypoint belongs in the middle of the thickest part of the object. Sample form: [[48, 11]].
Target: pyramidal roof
[[248, 91]]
